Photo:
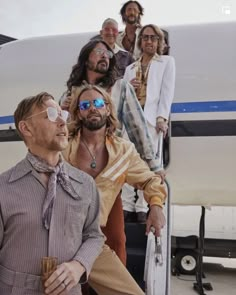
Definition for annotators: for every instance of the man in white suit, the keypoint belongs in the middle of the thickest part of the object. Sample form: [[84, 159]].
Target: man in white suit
[[153, 78]]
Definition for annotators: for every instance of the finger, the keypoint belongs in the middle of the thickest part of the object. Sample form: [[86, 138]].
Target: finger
[[56, 282], [157, 232], [61, 289], [148, 227]]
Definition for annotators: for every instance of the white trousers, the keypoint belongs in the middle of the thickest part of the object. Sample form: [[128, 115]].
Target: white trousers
[[128, 193]]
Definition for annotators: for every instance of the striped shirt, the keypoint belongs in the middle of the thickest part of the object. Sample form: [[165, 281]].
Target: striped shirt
[[124, 166], [74, 232], [131, 117]]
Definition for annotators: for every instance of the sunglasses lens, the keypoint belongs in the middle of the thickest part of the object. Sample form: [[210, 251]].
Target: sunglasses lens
[[52, 114], [98, 103], [65, 116], [84, 105]]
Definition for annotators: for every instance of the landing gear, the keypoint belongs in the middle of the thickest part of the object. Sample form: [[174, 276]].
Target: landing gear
[[186, 262]]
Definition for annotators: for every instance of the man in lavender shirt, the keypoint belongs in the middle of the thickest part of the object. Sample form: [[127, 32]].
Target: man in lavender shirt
[[47, 208]]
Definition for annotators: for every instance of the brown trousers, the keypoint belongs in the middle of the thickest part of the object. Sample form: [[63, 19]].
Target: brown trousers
[[115, 234], [115, 230]]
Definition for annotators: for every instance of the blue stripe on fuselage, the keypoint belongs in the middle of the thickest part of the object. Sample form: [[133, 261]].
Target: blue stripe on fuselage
[[204, 107], [178, 108]]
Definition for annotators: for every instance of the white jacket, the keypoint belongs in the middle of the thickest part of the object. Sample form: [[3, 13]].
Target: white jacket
[[160, 86]]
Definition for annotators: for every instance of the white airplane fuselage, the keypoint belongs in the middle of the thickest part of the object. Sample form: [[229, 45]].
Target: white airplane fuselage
[[203, 117]]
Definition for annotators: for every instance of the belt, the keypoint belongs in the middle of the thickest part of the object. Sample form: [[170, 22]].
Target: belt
[[20, 279]]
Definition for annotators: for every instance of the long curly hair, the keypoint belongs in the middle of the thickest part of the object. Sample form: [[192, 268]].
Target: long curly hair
[[77, 124], [79, 70]]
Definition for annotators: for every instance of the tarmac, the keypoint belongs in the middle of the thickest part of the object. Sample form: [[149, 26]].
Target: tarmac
[[219, 272]]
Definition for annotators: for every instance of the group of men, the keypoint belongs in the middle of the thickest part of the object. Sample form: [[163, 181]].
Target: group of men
[[64, 199]]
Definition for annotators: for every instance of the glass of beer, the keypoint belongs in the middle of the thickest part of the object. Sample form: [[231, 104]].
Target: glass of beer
[[48, 266]]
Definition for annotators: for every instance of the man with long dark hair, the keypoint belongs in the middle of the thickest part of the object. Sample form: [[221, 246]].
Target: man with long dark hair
[[131, 13]]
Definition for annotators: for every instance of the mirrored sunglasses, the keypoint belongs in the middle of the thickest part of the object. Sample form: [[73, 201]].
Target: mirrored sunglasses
[[101, 51], [53, 114], [98, 103]]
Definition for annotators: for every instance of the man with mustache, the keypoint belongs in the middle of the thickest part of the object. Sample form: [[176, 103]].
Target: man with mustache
[[154, 88], [131, 13], [44, 211], [111, 161]]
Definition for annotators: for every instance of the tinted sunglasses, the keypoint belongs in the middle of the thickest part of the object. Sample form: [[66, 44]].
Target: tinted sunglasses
[[53, 114], [101, 51], [153, 38], [98, 103]]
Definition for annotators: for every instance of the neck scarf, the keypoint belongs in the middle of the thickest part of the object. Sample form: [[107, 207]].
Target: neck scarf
[[57, 173]]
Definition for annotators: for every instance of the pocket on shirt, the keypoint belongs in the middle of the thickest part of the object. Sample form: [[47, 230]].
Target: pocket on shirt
[[74, 222]]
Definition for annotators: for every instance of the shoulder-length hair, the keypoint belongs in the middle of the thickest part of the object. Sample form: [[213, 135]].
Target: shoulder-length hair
[[158, 32], [79, 70], [76, 124]]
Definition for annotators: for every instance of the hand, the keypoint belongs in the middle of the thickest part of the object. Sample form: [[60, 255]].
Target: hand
[[135, 83], [65, 105], [156, 219], [162, 174], [162, 126], [64, 278]]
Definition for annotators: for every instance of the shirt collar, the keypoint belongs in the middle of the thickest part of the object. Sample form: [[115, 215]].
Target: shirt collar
[[24, 167], [117, 49], [20, 170]]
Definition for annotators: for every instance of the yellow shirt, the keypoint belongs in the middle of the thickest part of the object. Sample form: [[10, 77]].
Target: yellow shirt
[[124, 166]]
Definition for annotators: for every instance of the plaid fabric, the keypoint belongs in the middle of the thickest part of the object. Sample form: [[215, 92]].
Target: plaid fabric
[[56, 173], [130, 115]]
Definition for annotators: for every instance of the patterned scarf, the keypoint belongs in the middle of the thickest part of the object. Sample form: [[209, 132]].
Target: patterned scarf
[[57, 173]]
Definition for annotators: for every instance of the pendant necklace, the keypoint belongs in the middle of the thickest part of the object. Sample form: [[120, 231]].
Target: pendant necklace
[[93, 163]]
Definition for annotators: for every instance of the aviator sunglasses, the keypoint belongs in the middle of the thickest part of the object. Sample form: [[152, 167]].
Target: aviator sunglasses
[[53, 114], [98, 103]]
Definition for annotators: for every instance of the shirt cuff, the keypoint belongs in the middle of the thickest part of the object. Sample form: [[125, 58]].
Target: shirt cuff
[[156, 201]]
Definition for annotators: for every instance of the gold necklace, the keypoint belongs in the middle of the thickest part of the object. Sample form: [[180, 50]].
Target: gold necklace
[[93, 163]]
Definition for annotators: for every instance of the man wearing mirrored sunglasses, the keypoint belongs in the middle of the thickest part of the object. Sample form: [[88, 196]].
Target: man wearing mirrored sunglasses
[[111, 161], [43, 208]]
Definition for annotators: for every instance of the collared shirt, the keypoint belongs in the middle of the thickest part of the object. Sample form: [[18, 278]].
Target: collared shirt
[[131, 116], [136, 51], [123, 59], [74, 232], [142, 90], [124, 166]]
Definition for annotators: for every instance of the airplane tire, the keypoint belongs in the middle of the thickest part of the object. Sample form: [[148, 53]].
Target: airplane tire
[[186, 262]]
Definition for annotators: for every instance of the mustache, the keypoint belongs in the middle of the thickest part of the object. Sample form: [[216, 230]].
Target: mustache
[[93, 114], [103, 60]]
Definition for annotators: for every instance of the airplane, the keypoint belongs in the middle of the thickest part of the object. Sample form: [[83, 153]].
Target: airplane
[[202, 134]]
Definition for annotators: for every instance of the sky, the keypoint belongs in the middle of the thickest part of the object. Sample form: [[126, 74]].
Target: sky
[[29, 18]]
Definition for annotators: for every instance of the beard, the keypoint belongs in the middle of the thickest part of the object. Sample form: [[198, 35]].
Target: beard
[[134, 20], [94, 125], [99, 67]]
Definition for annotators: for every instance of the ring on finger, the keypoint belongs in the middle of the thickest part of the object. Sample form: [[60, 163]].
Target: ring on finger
[[66, 283]]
